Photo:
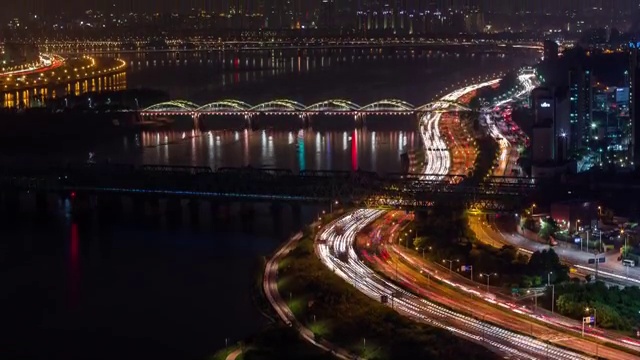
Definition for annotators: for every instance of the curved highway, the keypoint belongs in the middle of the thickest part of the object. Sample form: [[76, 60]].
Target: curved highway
[[336, 251], [437, 155]]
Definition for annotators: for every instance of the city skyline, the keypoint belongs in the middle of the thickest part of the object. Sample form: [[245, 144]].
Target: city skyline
[[40, 7]]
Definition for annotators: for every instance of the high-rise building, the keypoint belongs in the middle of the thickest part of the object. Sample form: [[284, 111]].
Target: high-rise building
[[328, 14], [550, 138], [634, 103], [581, 113]]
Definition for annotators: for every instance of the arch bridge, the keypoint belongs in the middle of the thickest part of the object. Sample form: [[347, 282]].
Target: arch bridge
[[292, 107]]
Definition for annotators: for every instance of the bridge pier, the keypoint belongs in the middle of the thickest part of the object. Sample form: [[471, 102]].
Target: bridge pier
[[194, 211], [247, 216], [81, 206], [42, 203], [276, 209], [296, 215], [155, 213], [305, 120], [360, 120], [197, 123], [138, 207], [109, 208], [173, 211]]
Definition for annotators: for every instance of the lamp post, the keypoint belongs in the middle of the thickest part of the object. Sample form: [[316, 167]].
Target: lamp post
[[587, 240], [533, 206], [488, 276], [595, 314], [331, 205], [450, 264], [600, 242], [553, 291]]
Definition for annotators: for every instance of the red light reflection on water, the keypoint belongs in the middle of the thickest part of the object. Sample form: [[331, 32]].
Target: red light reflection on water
[[74, 265], [354, 150]]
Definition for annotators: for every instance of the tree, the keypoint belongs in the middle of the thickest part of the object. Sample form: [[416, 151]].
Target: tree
[[542, 263], [421, 242], [548, 227]]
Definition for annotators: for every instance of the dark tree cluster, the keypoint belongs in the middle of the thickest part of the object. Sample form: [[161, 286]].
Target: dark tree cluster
[[615, 308]]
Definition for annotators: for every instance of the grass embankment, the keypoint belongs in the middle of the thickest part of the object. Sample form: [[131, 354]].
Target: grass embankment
[[339, 313], [276, 341]]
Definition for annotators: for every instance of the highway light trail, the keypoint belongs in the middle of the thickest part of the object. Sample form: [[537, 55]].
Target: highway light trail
[[336, 251], [437, 155], [526, 80]]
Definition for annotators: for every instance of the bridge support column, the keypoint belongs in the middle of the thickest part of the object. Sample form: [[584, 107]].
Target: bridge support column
[[173, 211], [247, 216], [296, 215], [197, 124], [42, 203], [194, 211], [154, 209], [81, 206], [276, 210], [247, 121], [139, 208], [109, 208], [360, 120]]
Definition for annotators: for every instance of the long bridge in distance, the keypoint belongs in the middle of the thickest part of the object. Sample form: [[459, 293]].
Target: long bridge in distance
[[280, 107], [272, 185]]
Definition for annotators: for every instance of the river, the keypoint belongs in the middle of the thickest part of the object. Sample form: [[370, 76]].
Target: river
[[139, 288]]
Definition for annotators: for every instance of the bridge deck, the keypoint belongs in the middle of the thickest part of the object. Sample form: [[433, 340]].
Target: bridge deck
[[358, 188]]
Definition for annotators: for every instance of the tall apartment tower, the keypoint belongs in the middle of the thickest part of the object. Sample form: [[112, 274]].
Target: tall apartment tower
[[634, 103], [581, 113]]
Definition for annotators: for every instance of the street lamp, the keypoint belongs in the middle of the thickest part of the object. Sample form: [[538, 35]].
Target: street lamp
[[331, 205], [488, 276], [422, 248], [450, 263], [595, 314], [533, 206], [553, 291]]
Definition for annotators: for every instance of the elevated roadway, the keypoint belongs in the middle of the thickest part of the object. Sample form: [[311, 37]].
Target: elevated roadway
[[249, 184]]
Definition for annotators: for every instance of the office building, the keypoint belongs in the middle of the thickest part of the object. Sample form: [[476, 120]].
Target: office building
[[550, 137], [634, 103], [581, 115]]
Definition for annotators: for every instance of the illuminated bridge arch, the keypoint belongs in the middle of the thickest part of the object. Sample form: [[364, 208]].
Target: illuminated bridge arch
[[282, 105], [334, 105], [225, 106], [388, 105], [172, 106]]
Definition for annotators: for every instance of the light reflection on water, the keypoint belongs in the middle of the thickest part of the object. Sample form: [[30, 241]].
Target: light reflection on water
[[296, 150], [171, 290]]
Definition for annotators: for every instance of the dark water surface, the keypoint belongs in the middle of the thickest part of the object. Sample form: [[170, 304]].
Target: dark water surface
[[141, 289]]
